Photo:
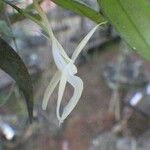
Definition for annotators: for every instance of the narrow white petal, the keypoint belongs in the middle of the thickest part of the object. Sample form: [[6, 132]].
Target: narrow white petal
[[59, 60], [84, 42], [53, 83], [61, 90], [60, 48], [77, 83]]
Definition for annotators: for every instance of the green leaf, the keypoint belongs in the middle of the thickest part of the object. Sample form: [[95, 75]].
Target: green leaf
[[81, 9], [12, 64], [131, 18]]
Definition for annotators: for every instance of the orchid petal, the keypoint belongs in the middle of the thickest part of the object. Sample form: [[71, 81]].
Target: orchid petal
[[60, 48], [77, 83], [59, 60], [61, 90], [84, 42], [51, 88]]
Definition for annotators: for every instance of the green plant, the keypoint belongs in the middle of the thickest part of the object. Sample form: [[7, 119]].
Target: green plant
[[130, 18]]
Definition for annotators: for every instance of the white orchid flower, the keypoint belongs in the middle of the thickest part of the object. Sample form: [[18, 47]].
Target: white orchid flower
[[66, 71]]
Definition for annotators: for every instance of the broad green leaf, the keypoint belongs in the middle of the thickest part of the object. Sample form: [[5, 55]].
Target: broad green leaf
[[12, 64], [81, 9], [131, 18]]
